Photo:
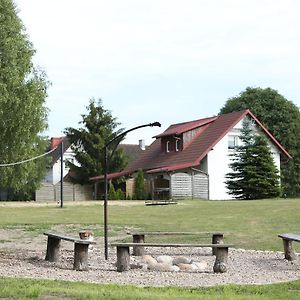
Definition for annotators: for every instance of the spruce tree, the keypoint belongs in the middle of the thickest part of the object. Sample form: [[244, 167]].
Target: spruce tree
[[98, 128], [23, 115], [254, 174]]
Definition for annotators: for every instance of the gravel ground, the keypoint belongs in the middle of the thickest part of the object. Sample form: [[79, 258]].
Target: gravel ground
[[26, 259]]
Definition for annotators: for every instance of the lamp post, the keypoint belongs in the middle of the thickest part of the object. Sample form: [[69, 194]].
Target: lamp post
[[117, 139]]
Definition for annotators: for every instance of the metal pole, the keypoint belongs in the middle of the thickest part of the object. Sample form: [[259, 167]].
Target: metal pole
[[62, 173], [116, 139], [105, 202]]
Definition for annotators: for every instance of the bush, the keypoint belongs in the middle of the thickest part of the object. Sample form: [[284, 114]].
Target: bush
[[140, 186], [112, 195], [120, 195]]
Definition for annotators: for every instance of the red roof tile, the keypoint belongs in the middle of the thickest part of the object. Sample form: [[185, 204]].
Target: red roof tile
[[214, 129], [177, 129]]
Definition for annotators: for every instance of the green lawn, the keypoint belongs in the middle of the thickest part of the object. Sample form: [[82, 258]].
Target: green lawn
[[247, 224], [11, 288]]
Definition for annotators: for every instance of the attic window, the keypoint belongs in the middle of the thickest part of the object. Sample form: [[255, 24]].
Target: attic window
[[168, 146], [176, 145], [232, 141]]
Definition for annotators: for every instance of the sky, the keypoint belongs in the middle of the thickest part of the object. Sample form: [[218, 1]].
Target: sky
[[169, 61]]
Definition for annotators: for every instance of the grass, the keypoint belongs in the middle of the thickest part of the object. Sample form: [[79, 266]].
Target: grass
[[12, 288], [247, 224]]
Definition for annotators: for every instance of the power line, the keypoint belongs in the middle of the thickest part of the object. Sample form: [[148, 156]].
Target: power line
[[27, 160]]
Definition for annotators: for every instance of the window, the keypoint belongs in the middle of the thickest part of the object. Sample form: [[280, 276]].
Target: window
[[232, 141], [177, 145], [168, 146]]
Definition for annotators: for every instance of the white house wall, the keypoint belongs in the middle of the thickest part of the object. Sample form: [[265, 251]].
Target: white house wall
[[53, 175], [218, 161]]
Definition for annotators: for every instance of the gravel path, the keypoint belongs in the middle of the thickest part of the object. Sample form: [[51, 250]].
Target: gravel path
[[26, 259]]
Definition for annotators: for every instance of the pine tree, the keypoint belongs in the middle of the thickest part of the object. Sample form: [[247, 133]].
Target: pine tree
[[23, 116], [254, 174], [140, 186], [99, 127]]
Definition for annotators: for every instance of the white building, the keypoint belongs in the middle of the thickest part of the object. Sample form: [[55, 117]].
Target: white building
[[191, 159]]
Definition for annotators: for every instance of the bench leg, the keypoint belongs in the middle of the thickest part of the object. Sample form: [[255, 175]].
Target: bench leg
[[81, 257], [221, 260], [217, 239], [123, 259], [289, 252], [53, 246], [138, 250]]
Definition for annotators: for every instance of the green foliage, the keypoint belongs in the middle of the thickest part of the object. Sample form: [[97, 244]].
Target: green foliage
[[99, 127], [254, 174], [112, 195], [23, 116], [140, 193], [120, 195], [282, 119]]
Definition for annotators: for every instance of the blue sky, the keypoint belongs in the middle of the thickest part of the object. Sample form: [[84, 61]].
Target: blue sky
[[160, 60]]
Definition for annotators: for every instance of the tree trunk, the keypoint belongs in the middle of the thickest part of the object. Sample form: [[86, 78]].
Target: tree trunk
[[221, 260], [81, 257], [53, 246], [217, 239], [123, 259], [289, 252], [138, 250]]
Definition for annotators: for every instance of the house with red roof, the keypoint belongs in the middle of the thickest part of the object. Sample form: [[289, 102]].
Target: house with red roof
[[191, 159], [50, 186]]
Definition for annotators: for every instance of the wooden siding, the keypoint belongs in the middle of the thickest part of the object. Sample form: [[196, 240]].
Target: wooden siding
[[72, 192], [189, 185], [181, 184], [200, 186], [45, 193]]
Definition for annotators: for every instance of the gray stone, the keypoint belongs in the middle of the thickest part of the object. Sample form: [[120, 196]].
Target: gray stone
[[200, 265], [181, 260], [188, 267], [166, 259]]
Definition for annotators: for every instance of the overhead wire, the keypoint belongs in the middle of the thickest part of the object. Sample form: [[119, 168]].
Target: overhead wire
[[27, 160]]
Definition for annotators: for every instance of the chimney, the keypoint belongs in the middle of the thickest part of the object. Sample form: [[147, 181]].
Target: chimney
[[55, 141], [142, 144]]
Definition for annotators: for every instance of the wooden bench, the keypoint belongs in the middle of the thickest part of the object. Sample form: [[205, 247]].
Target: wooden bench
[[80, 249], [123, 254], [139, 237], [287, 239], [160, 202]]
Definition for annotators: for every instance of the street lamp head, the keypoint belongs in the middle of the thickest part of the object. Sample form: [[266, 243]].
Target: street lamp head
[[155, 124]]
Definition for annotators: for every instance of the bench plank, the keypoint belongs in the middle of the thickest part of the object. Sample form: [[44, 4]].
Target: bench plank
[[290, 236], [139, 237], [170, 245], [173, 233], [68, 238]]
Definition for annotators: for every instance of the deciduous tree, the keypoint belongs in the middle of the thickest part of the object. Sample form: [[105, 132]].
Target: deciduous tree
[[23, 115], [282, 119]]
